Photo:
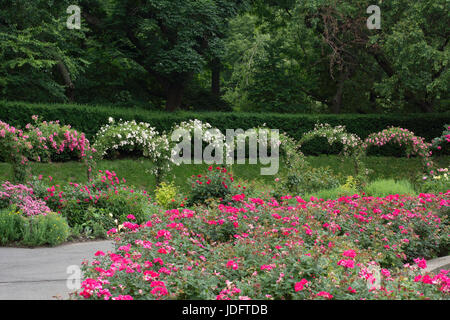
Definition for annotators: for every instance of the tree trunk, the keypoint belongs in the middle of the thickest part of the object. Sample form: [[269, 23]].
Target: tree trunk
[[174, 96], [215, 77], [67, 80], [426, 106], [337, 100]]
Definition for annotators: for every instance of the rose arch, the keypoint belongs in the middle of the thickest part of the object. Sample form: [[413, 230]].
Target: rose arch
[[414, 145]]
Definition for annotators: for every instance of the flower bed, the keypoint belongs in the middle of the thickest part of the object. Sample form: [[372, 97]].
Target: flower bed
[[350, 248], [25, 219]]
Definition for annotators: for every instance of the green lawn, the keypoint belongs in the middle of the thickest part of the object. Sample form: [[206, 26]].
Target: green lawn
[[136, 171]]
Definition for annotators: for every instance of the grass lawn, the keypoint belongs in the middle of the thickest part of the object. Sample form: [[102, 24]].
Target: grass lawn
[[136, 171]]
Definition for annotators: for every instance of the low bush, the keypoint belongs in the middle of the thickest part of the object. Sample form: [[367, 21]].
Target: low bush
[[50, 229], [438, 182], [23, 197], [334, 193], [217, 184], [11, 224], [98, 222], [306, 180], [386, 187], [167, 196]]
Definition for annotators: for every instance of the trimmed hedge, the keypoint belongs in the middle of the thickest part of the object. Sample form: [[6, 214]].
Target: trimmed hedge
[[89, 119]]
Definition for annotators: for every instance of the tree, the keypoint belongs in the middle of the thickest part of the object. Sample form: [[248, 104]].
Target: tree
[[39, 57], [171, 40], [401, 67], [412, 50]]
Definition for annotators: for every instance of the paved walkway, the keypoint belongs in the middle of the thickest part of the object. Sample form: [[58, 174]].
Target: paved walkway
[[41, 273]]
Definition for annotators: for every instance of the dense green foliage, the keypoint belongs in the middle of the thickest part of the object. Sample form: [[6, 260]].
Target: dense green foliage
[[261, 55]]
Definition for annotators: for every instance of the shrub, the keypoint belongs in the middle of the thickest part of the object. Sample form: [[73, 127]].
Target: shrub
[[306, 180], [11, 225], [441, 144], [437, 182], [166, 196], [37, 230], [41, 142], [97, 222], [53, 142], [216, 184], [386, 187], [22, 197], [51, 229], [141, 139], [124, 137], [414, 145], [15, 149], [334, 193]]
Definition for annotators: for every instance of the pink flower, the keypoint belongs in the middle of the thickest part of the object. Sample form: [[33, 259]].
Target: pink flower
[[386, 273], [422, 263], [324, 294], [267, 267], [347, 263], [232, 264], [125, 297], [131, 217], [238, 197], [300, 285], [162, 250], [349, 253]]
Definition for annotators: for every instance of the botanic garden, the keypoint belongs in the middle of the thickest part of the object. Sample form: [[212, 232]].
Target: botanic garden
[[359, 202]]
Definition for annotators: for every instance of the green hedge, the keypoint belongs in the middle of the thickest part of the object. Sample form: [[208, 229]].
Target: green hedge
[[89, 118]]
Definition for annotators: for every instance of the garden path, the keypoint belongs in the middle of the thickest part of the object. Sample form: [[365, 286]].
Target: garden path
[[42, 273]]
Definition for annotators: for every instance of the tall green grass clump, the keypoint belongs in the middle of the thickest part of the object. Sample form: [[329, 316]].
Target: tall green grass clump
[[51, 229], [386, 187], [332, 194]]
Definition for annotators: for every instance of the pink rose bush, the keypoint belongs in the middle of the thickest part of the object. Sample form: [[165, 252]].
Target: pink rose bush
[[15, 148], [107, 195], [23, 198], [42, 142], [262, 248], [440, 144], [53, 141]]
